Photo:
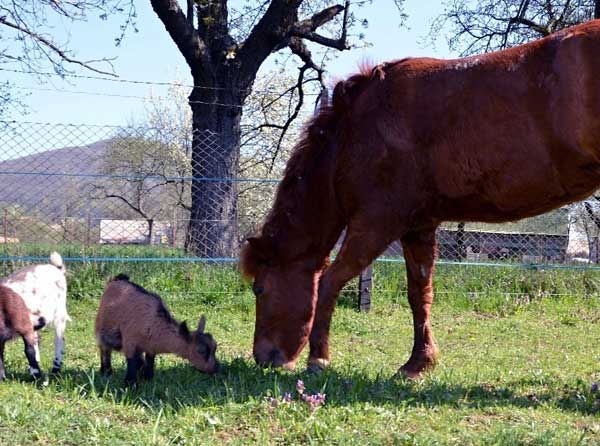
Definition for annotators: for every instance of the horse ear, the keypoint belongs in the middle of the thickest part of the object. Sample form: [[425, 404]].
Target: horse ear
[[340, 93], [201, 324], [257, 252], [183, 330], [261, 247], [322, 99]]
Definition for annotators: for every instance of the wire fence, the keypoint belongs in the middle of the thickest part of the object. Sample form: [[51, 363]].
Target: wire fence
[[106, 193]]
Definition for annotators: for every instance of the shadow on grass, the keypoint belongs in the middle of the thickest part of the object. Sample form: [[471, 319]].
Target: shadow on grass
[[240, 381]]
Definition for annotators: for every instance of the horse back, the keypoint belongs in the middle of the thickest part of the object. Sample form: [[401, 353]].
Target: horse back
[[493, 137]]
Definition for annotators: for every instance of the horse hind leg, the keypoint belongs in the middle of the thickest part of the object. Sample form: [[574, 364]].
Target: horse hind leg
[[419, 254], [361, 246]]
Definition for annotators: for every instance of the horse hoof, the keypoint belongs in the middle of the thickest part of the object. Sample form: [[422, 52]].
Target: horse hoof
[[410, 373], [317, 365]]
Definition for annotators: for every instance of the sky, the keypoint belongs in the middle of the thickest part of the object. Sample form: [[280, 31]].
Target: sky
[[150, 55]]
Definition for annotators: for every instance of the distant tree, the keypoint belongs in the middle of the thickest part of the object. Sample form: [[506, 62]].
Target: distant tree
[[584, 221], [224, 44], [145, 176], [478, 26], [152, 159]]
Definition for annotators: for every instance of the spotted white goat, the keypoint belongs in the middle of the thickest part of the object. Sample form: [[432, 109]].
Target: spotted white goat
[[43, 288]]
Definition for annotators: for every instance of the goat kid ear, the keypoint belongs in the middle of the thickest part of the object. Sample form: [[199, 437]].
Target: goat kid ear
[[201, 324], [183, 330]]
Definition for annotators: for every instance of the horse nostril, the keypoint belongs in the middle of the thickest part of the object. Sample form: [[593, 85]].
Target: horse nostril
[[258, 290], [260, 359]]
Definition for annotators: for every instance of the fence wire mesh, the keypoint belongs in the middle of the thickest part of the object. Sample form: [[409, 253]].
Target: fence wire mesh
[[89, 191]]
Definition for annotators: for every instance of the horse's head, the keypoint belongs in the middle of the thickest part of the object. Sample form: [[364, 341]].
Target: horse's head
[[285, 303]]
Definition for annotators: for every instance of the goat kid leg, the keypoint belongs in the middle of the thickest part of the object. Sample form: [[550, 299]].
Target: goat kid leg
[[148, 368], [34, 366], [36, 346], [105, 360], [2, 372], [134, 364], [59, 345]]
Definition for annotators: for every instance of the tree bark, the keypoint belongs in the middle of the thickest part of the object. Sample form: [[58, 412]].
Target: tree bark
[[216, 115]]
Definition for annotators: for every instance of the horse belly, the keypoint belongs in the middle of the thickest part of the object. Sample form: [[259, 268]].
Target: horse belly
[[520, 191]]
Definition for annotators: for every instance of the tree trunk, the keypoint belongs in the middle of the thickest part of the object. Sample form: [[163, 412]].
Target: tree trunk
[[216, 113]]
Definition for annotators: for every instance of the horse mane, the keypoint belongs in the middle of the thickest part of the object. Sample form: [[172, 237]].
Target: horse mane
[[316, 137]]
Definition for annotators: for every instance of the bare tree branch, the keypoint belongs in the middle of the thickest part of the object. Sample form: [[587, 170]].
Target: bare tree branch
[[52, 47], [191, 46], [306, 28], [267, 35], [489, 25], [316, 21], [190, 12], [286, 125], [592, 215]]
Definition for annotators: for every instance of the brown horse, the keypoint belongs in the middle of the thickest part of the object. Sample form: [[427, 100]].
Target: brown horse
[[410, 144]]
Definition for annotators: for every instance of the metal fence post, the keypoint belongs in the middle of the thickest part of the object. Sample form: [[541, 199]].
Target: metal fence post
[[88, 235], [365, 285], [5, 226]]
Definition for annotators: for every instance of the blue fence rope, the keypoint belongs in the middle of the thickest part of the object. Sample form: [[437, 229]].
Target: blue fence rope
[[121, 259], [143, 177], [229, 260]]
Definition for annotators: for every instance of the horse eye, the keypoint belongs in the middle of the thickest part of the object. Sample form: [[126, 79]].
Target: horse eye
[[258, 290]]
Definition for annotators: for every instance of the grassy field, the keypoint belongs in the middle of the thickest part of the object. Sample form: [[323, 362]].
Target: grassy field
[[520, 351]]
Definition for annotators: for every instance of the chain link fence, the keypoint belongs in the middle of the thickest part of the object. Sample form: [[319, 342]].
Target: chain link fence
[[138, 192]]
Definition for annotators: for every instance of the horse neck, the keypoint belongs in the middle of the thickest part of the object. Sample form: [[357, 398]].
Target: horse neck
[[307, 222]]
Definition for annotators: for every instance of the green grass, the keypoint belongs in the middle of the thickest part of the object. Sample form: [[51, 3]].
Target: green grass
[[519, 351]]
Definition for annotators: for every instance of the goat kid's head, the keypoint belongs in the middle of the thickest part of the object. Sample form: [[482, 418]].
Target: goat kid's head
[[201, 347]]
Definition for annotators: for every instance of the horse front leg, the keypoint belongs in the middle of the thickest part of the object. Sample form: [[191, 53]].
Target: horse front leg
[[361, 246], [419, 254]]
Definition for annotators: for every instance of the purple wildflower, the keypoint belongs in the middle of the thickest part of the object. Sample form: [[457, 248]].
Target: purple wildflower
[[287, 397], [314, 401], [594, 388], [300, 386]]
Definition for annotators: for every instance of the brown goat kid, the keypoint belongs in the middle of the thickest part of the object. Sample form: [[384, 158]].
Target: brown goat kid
[[15, 320], [137, 322]]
